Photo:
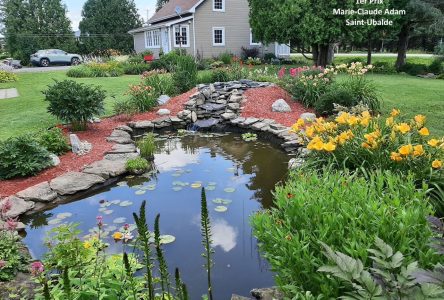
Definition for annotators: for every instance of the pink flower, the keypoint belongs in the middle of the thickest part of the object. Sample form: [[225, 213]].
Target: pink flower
[[2, 264], [126, 226], [99, 221], [37, 268], [11, 224], [281, 73]]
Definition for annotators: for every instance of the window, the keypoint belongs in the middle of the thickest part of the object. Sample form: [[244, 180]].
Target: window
[[152, 38], [218, 36], [182, 36], [253, 41], [218, 5]]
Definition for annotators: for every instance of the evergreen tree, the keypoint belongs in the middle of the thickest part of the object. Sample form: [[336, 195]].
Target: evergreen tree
[[106, 23], [160, 4], [30, 25]]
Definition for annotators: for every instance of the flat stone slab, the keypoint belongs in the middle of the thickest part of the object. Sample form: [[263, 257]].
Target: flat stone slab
[[122, 148], [9, 93], [208, 123], [18, 207], [39, 193], [122, 156], [73, 182], [106, 168], [141, 125], [237, 297]]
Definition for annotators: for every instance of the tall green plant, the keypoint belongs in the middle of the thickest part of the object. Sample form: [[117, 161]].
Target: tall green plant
[[206, 241], [185, 73], [164, 275], [144, 239], [147, 145]]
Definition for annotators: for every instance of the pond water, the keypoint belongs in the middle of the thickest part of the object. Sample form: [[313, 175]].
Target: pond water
[[237, 175]]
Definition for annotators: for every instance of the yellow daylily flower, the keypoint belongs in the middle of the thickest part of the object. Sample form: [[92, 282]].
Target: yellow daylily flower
[[406, 150], [433, 142], [437, 164], [87, 245], [418, 150], [396, 156], [330, 147], [403, 128], [395, 112], [390, 121], [424, 131], [118, 236], [420, 119]]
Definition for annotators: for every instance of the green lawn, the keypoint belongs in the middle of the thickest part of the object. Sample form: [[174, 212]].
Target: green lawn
[[28, 112]]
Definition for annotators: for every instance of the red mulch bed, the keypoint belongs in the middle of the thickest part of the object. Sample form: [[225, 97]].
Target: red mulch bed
[[260, 100], [258, 104]]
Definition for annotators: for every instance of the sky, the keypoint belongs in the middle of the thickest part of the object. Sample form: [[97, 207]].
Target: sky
[[75, 10]]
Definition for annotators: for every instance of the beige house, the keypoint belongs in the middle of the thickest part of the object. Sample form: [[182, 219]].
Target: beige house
[[202, 27]]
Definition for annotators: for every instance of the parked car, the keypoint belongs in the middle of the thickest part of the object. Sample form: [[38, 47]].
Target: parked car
[[44, 58]]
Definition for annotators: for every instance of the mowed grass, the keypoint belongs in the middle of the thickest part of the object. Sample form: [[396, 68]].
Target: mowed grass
[[28, 112]]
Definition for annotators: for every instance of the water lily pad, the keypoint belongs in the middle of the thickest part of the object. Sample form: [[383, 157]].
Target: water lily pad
[[131, 228], [108, 212], [140, 192], [167, 239], [226, 201], [221, 209], [229, 190], [111, 228], [102, 209], [126, 203], [176, 174], [177, 188], [210, 188], [179, 183], [231, 170], [62, 216], [54, 221], [137, 187], [119, 220], [212, 183], [122, 183], [115, 202], [218, 201], [106, 204], [151, 187], [196, 185]]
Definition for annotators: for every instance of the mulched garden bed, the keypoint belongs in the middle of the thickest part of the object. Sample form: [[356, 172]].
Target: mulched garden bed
[[258, 104]]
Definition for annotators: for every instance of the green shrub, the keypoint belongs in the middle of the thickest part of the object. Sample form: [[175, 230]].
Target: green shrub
[[185, 74], [437, 66], [383, 67], [441, 76], [11, 254], [6, 76], [79, 72], [75, 102], [137, 165], [135, 59], [352, 91], [125, 109], [414, 69], [54, 141], [439, 49], [249, 52], [22, 156], [268, 57], [205, 77], [253, 61], [220, 75], [166, 62], [346, 212], [147, 146], [162, 84], [135, 68], [225, 58]]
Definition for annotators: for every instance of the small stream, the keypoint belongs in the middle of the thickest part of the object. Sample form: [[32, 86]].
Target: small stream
[[239, 176]]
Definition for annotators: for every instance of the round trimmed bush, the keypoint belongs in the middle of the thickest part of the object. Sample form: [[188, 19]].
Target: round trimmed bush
[[74, 102]]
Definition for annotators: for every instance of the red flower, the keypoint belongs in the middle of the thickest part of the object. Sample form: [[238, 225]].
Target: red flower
[[11, 224], [7, 205], [281, 73], [289, 195], [37, 268], [2, 264]]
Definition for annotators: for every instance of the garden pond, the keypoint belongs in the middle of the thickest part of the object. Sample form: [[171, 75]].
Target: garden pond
[[239, 178]]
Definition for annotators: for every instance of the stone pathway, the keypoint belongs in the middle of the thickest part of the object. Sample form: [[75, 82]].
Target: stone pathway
[[8, 93]]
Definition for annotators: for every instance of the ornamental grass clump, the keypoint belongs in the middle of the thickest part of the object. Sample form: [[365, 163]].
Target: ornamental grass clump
[[395, 143], [346, 212]]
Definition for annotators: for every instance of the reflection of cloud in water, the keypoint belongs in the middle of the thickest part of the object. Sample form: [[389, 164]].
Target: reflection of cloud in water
[[224, 235], [176, 159], [239, 180]]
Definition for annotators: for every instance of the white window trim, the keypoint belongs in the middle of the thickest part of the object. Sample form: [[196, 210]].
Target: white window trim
[[152, 39], [251, 39], [175, 28], [223, 37], [219, 10]]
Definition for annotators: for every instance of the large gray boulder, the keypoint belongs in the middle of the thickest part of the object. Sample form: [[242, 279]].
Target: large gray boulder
[[163, 99], [41, 192], [73, 182], [120, 137], [308, 117], [106, 168], [18, 207], [281, 106], [267, 294]]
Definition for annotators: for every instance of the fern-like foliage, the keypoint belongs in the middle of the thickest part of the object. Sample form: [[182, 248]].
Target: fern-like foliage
[[206, 240], [164, 275], [389, 278]]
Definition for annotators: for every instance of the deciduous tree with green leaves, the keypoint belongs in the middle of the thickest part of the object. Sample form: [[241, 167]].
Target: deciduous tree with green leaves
[[105, 24], [160, 4]]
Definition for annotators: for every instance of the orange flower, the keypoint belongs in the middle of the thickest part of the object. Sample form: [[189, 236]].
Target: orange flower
[[424, 131], [389, 121], [330, 147], [433, 143], [403, 128], [406, 150], [418, 150], [420, 120], [118, 236], [396, 156], [395, 112]]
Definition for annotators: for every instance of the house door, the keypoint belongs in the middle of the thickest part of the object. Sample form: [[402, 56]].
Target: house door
[[165, 40]]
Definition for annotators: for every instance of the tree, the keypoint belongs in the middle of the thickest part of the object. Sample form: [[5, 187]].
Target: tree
[[308, 23], [105, 24], [160, 4], [30, 25], [419, 13]]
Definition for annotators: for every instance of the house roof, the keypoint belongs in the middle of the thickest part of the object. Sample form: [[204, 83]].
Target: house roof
[[169, 9]]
